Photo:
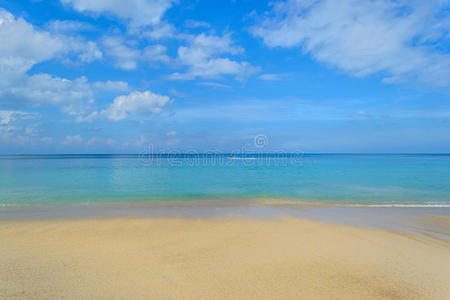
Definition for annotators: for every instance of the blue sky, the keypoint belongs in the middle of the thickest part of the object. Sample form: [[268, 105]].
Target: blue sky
[[111, 76]]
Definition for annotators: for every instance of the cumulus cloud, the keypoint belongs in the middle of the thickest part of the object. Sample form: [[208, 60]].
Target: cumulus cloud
[[124, 57], [137, 12], [399, 39], [142, 17], [204, 58], [87, 51], [142, 103], [160, 31], [156, 53], [73, 96], [21, 47], [66, 32]]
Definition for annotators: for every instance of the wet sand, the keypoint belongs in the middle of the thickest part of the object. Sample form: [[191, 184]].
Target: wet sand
[[174, 257]]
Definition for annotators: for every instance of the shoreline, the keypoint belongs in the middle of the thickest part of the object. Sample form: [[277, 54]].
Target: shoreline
[[411, 219], [220, 201]]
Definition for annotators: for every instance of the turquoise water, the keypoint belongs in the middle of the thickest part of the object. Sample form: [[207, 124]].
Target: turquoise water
[[351, 179]]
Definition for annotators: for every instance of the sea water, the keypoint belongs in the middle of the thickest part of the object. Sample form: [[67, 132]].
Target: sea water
[[347, 179]]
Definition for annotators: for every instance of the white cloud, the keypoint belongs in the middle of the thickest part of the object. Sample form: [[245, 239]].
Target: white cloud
[[6, 116], [88, 51], [171, 133], [19, 127], [8, 137], [72, 139], [203, 58], [67, 26], [157, 32], [64, 31], [111, 85], [135, 103], [214, 85], [43, 89], [137, 12], [124, 57], [142, 17], [73, 96], [21, 47], [156, 53], [9, 116], [395, 38]]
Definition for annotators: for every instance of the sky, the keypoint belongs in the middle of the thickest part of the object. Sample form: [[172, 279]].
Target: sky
[[312, 76]]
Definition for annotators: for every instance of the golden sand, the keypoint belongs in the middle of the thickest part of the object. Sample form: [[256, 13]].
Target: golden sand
[[174, 258]]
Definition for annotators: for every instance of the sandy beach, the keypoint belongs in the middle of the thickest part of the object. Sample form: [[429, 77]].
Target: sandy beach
[[217, 258]]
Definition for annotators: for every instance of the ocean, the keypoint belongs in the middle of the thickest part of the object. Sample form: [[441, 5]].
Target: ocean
[[347, 179]]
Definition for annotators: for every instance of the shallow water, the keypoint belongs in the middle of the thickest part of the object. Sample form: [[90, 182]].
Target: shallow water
[[399, 180], [416, 220]]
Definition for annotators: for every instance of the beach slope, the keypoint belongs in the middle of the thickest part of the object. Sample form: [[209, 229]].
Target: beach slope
[[217, 258]]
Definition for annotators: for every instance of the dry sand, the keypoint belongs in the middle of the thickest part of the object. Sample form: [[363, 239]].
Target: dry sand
[[211, 258]]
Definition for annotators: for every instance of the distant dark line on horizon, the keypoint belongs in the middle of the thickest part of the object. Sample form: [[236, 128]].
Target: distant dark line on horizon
[[226, 153]]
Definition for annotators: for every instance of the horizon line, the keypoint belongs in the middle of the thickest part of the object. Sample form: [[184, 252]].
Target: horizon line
[[233, 153]]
